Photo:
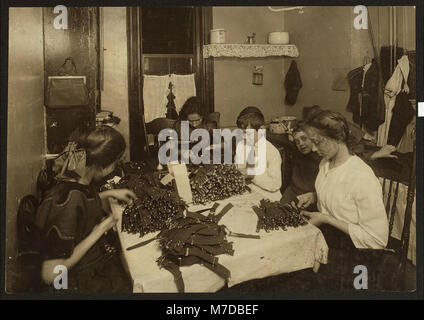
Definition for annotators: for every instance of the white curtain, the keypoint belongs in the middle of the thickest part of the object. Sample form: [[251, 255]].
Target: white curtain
[[156, 90], [184, 88]]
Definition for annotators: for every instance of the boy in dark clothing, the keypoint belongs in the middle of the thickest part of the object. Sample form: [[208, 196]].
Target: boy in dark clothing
[[305, 165]]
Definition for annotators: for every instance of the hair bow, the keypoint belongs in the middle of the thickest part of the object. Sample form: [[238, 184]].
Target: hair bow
[[71, 162]]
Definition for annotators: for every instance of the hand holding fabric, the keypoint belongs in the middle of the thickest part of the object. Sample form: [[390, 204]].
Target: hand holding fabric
[[315, 218], [306, 199]]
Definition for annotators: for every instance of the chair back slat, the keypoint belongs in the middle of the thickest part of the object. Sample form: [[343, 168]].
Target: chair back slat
[[384, 185], [393, 210], [389, 198], [407, 220]]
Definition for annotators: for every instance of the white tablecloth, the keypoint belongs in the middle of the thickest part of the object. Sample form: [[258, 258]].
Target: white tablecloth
[[276, 252]]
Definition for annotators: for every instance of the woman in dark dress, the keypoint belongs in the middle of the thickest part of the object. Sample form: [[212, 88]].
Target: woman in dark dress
[[73, 219]]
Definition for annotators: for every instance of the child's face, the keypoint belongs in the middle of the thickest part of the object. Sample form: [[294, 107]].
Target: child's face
[[303, 143]]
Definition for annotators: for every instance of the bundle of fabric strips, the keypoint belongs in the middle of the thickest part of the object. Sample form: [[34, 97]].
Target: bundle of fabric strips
[[214, 182], [193, 238], [154, 205], [275, 215]]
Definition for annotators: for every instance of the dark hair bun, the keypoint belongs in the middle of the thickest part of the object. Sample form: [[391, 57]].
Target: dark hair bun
[[103, 146], [331, 124]]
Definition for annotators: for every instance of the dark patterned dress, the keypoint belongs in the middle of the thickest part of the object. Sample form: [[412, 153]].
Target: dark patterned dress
[[67, 216]]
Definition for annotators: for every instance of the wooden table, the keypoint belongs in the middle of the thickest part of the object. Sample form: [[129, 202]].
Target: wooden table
[[276, 252]]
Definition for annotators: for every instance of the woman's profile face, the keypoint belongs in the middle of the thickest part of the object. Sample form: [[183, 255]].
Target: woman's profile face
[[325, 147]]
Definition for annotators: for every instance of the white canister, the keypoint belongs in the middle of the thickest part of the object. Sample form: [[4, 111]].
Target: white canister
[[218, 36], [278, 37]]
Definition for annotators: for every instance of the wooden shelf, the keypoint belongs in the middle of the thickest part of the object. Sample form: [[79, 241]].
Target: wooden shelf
[[250, 50]]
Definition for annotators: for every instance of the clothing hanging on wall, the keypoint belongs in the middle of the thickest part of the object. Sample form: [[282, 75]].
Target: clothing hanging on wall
[[387, 55], [292, 83], [403, 114], [406, 144], [156, 90], [363, 100], [355, 77], [396, 83]]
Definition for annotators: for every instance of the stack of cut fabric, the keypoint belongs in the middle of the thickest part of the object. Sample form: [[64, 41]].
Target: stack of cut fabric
[[275, 215], [193, 238]]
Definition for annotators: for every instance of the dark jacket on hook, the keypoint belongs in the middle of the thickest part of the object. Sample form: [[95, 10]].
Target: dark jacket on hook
[[364, 101], [292, 84]]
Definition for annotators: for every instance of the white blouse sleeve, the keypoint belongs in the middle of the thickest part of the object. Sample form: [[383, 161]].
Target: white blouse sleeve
[[271, 179], [240, 157], [371, 231]]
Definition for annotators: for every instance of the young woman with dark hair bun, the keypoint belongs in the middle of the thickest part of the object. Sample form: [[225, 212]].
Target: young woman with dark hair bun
[[74, 222]]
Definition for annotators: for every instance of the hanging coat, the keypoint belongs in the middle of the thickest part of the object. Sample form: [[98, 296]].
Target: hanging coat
[[364, 97], [397, 106], [292, 84]]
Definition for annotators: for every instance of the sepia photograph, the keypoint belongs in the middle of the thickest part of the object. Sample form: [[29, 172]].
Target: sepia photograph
[[227, 150]]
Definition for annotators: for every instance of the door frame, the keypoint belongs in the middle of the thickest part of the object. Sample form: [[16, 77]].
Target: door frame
[[203, 69]]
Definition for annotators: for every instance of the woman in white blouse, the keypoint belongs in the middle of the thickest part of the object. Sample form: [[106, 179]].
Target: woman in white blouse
[[348, 194], [267, 179]]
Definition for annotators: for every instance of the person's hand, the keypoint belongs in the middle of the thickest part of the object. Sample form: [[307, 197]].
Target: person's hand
[[384, 152], [125, 195], [306, 199], [315, 218]]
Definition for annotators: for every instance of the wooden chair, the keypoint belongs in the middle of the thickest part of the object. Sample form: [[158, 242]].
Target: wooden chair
[[400, 247], [153, 128], [30, 247]]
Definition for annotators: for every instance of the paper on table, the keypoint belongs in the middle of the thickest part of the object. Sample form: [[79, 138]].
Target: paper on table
[[167, 179], [183, 183]]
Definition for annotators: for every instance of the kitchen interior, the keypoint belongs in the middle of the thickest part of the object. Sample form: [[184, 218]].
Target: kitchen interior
[[233, 56]]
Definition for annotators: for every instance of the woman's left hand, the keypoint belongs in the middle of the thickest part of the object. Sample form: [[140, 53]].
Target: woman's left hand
[[125, 195], [316, 218]]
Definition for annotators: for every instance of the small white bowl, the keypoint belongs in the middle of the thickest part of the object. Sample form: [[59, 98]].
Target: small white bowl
[[278, 37]]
